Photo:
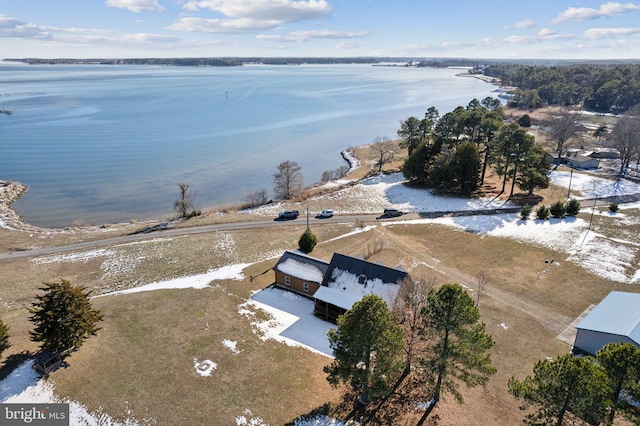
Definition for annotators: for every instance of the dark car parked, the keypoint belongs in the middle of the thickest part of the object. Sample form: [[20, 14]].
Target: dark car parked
[[392, 213], [288, 214]]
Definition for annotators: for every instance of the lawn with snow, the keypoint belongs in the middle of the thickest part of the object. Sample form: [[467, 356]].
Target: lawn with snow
[[291, 318]]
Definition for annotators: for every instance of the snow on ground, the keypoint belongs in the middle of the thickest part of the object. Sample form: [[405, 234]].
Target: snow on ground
[[585, 185], [291, 318], [24, 386], [232, 346], [205, 367], [230, 272]]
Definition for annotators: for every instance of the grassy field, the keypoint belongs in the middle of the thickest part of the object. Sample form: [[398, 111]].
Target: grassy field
[[141, 363]]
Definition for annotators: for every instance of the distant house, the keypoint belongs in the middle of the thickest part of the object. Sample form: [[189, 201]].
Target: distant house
[[615, 319], [581, 160], [348, 280], [300, 273], [337, 285]]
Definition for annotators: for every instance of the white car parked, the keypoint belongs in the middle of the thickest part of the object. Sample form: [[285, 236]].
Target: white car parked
[[324, 214]]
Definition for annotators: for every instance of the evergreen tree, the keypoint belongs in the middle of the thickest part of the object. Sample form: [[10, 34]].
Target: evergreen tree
[[542, 212], [573, 207], [621, 363], [525, 211], [564, 390], [307, 241], [367, 347], [63, 317], [534, 173], [4, 337], [557, 209], [466, 167], [415, 167], [459, 345]]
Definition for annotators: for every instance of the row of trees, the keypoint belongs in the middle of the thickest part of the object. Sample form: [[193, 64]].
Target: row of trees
[[63, 318], [607, 88], [575, 389], [452, 153], [431, 334]]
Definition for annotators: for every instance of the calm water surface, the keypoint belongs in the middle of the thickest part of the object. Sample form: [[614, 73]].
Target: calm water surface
[[104, 144]]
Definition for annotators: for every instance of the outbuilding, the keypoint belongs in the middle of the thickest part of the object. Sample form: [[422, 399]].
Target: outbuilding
[[300, 273], [615, 319]]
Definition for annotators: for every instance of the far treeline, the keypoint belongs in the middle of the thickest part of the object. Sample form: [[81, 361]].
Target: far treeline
[[598, 87]]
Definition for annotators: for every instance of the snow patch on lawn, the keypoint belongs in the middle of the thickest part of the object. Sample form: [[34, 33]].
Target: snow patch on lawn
[[205, 367], [229, 272]]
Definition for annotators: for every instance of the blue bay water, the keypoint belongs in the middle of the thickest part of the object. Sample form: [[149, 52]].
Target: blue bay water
[[104, 144]]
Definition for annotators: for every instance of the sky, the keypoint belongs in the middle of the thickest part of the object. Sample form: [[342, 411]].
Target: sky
[[501, 29]]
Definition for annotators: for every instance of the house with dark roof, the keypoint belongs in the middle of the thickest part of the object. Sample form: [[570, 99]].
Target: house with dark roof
[[300, 273], [337, 285], [615, 319]]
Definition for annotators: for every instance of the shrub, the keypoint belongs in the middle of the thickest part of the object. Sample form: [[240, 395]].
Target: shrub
[[307, 241], [573, 207], [613, 207], [525, 212], [558, 209], [543, 212]]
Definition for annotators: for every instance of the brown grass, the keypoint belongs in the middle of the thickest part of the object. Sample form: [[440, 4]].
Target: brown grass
[[142, 359]]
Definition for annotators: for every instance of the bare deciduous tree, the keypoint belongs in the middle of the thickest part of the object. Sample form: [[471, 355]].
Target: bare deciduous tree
[[407, 306], [257, 198], [383, 148], [561, 128], [184, 204], [287, 180], [626, 137]]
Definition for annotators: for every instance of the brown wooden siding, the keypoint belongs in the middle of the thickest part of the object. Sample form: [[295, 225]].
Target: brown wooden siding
[[296, 284]]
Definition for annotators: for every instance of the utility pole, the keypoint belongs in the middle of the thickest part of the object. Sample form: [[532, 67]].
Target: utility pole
[[307, 216]]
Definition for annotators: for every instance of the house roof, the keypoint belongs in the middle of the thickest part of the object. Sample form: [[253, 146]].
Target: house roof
[[618, 313], [349, 279], [301, 266]]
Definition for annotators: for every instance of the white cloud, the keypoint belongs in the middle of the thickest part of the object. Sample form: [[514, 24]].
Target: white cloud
[[299, 36], [527, 23], [136, 5], [221, 26], [587, 13], [12, 27], [595, 33], [250, 15], [545, 32], [282, 11]]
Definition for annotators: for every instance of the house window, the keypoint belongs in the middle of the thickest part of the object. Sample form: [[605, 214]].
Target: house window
[[287, 280], [305, 285]]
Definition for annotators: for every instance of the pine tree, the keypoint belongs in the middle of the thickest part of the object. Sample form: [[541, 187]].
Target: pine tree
[[63, 317], [567, 388], [307, 241], [367, 346], [459, 344], [4, 337], [621, 363]]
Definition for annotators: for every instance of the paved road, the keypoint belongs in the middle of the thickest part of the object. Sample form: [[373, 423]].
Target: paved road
[[356, 218], [20, 254]]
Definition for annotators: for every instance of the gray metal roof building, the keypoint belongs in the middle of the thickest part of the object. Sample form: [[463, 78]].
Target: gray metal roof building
[[615, 319]]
